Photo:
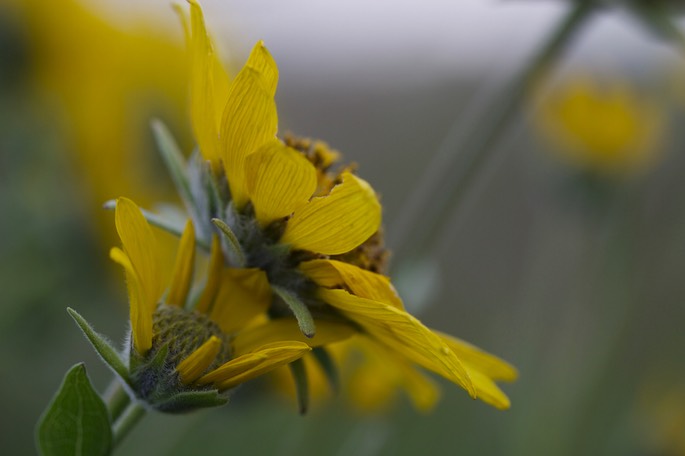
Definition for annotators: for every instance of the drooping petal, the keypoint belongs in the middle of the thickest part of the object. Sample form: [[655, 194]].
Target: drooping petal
[[249, 118], [327, 332], [279, 180], [363, 283], [208, 87], [488, 391], [477, 359], [182, 275], [251, 365], [336, 223], [191, 368], [244, 294], [402, 333], [216, 265], [141, 318]]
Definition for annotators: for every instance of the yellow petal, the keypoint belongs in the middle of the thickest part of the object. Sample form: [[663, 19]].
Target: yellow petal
[[249, 118], [141, 317], [279, 180], [216, 265], [327, 332], [477, 359], [182, 276], [402, 333], [244, 294], [488, 391], [251, 365], [365, 284], [140, 247], [208, 87], [336, 223], [191, 368]]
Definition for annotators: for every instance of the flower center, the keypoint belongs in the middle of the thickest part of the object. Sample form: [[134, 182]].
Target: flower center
[[177, 333], [183, 332]]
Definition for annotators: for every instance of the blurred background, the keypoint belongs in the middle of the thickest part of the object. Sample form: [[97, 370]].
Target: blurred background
[[562, 251]]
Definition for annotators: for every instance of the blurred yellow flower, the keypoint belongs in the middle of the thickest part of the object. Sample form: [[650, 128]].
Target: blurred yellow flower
[[106, 82], [660, 416], [603, 126]]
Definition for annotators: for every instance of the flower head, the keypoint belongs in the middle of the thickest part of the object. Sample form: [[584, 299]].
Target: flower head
[[312, 230], [179, 347], [296, 261]]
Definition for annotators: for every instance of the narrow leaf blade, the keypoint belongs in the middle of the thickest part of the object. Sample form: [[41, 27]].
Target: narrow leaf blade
[[299, 309], [108, 354], [299, 373], [173, 158], [324, 359], [192, 400], [76, 421]]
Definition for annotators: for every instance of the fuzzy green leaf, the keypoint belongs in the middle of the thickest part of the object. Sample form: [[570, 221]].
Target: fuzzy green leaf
[[102, 346], [304, 318], [232, 239], [76, 422], [192, 400]]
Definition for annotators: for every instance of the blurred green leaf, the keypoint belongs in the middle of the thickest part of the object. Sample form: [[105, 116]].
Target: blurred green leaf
[[325, 361], [299, 373], [173, 158], [76, 421]]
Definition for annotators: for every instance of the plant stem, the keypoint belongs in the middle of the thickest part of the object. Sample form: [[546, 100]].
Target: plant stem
[[127, 421], [450, 188], [117, 399]]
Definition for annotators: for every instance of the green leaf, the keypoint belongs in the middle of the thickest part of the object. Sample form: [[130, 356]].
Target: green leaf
[[191, 400], [232, 239], [299, 373], [76, 422], [323, 358], [299, 309], [173, 158], [102, 346]]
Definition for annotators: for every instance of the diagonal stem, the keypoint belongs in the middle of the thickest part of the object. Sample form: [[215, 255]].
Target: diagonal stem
[[117, 399], [456, 179], [128, 419]]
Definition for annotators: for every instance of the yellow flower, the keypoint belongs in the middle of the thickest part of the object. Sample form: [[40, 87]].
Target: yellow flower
[[281, 221], [176, 349], [605, 127]]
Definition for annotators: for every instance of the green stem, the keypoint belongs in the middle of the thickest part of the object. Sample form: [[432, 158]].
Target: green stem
[[657, 17], [450, 188], [117, 399], [127, 421]]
